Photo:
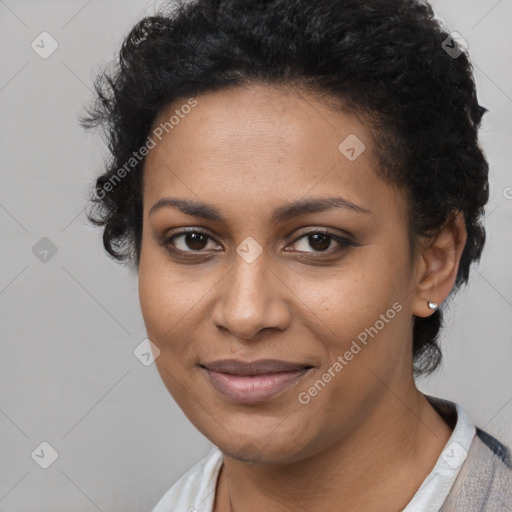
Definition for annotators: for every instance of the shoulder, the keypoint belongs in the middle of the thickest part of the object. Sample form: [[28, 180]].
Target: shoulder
[[500, 451], [485, 480], [195, 490]]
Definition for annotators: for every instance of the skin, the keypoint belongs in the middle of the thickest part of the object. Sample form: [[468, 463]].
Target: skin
[[369, 438]]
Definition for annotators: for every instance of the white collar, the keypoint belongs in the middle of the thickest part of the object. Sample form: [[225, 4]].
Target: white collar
[[435, 488]]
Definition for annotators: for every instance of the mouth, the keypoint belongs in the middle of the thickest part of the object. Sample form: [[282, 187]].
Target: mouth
[[255, 381]]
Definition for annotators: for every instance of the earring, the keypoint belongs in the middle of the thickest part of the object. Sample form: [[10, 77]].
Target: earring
[[433, 305]]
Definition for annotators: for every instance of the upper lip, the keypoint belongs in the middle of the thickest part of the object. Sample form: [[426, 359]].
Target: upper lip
[[259, 367]]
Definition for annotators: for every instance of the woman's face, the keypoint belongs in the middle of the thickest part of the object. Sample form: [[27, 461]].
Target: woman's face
[[261, 284]]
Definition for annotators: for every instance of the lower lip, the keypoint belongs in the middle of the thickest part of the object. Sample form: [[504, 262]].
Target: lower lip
[[249, 389]]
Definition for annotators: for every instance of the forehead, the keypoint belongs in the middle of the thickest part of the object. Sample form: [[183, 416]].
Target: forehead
[[259, 146]]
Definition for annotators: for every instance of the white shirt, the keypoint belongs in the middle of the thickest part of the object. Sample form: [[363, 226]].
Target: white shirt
[[195, 490]]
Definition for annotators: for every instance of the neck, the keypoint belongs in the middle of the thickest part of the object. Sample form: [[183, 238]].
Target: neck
[[403, 433]]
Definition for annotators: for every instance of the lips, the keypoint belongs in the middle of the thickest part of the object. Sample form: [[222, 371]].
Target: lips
[[260, 367], [254, 381]]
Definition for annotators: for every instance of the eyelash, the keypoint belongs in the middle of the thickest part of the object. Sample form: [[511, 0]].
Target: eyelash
[[343, 242]]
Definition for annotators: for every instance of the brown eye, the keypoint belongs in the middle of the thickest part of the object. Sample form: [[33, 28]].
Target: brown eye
[[321, 241], [196, 241], [189, 241]]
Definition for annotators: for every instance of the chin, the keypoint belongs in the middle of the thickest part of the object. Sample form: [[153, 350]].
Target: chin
[[268, 449]]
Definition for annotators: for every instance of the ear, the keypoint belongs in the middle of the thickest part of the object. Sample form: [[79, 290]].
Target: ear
[[438, 264]]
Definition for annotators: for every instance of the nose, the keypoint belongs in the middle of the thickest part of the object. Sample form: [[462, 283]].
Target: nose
[[250, 298]]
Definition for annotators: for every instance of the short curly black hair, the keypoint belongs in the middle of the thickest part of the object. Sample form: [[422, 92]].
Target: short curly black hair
[[389, 61]]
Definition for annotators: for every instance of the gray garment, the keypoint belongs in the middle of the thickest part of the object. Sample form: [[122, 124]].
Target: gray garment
[[484, 483]]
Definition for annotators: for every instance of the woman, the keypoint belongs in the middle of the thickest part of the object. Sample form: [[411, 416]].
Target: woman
[[299, 187]]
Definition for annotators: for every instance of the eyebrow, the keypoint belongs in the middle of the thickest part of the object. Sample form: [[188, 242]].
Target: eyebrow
[[280, 214]]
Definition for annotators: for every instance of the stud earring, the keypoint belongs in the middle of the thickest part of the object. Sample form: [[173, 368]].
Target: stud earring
[[433, 305]]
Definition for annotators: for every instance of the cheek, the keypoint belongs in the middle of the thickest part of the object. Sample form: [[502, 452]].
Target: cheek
[[165, 301], [352, 297], [160, 296], [164, 305], [360, 314], [150, 281], [171, 302]]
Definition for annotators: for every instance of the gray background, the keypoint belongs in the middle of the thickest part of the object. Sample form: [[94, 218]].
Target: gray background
[[69, 325]]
